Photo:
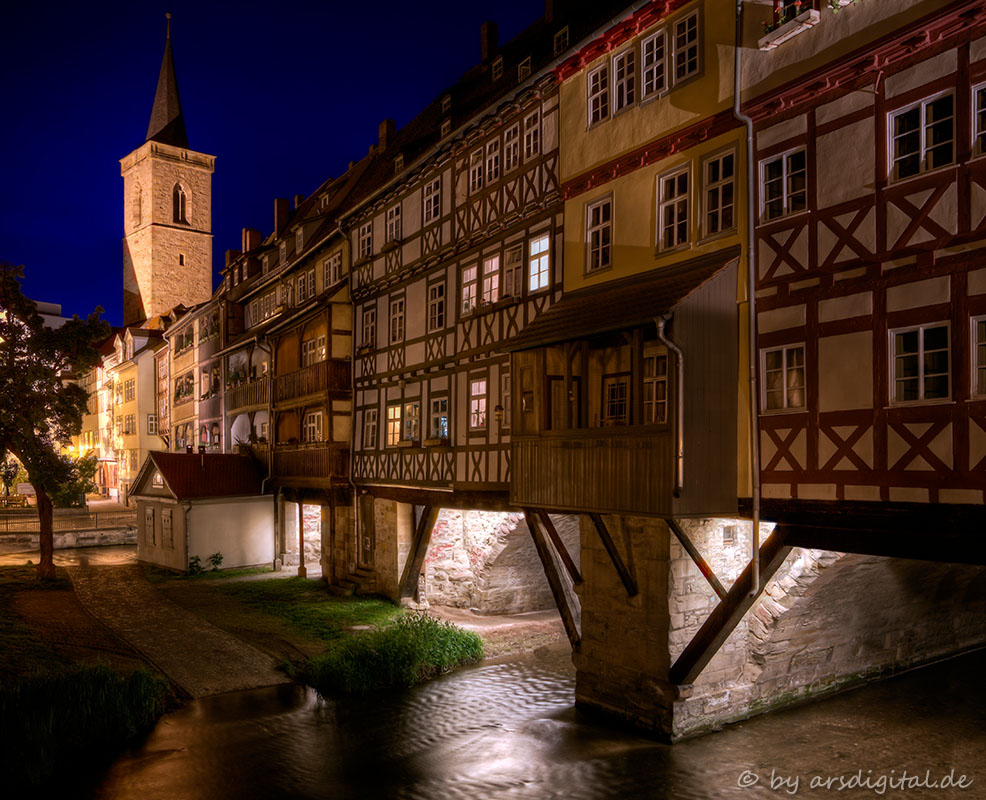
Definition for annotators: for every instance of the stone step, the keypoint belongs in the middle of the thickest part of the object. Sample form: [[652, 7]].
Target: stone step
[[338, 590]]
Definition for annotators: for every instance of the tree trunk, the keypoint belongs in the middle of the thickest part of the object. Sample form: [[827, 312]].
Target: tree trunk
[[46, 566]]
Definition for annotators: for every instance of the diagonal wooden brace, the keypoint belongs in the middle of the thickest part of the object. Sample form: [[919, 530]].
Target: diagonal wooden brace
[[419, 548], [727, 615], [554, 581], [700, 562], [629, 581], [566, 559]]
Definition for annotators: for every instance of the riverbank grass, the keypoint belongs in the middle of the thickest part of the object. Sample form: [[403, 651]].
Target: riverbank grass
[[411, 649]]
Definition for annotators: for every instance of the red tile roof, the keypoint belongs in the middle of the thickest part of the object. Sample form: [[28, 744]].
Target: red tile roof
[[193, 475]]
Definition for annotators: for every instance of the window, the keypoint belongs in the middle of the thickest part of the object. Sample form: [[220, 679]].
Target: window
[[615, 401], [599, 234], [369, 327], [365, 240], [129, 390], [446, 104], [130, 424], [653, 65], [446, 127], [299, 240], [285, 292], [512, 272], [283, 251], [309, 353], [468, 289], [492, 161], [477, 404], [398, 163], [537, 263], [686, 59], [476, 171], [370, 429], [439, 418], [396, 320], [979, 120], [149, 524], [412, 421], [393, 425], [719, 186], [784, 378], [524, 70], [436, 306], [181, 259], [306, 286], [432, 200], [496, 70], [157, 480], [561, 40], [783, 182], [624, 80], [311, 429], [598, 94], [152, 424], [729, 534], [655, 389], [920, 363], [532, 135], [979, 356], [332, 270], [179, 205], [491, 280], [673, 210], [511, 148], [922, 137], [505, 396], [394, 223]]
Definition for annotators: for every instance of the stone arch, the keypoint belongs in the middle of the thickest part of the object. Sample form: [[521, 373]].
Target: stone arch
[[135, 205], [179, 204]]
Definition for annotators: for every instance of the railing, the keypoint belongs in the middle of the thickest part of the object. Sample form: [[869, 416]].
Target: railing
[[594, 470], [255, 393], [29, 523], [317, 461], [331, 374]]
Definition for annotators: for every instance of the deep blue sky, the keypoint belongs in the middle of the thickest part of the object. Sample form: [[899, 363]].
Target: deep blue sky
[[283, 94]]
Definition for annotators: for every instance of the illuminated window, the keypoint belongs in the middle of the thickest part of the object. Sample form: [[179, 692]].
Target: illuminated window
[[439, 418], [920, 363], [393, 424], [477, 404], [412, 421], [468, 289], [491, 280], [783, 371], [538, 263], [311, 429]]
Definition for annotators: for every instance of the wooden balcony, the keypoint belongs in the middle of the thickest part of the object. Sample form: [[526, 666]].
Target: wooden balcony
[[310, 463], [248, 395], [334, 374], [622, 470]]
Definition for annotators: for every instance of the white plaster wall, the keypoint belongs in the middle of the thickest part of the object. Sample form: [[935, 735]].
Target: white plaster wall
[[242, 529]]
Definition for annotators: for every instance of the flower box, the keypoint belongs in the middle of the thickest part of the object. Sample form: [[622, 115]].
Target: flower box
[[790, 29]]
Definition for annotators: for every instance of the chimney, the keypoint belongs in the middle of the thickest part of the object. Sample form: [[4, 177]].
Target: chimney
[[231, 256], [298, 200], [281, 210], [251, 239], [385, 132], [552, 9], [487, 39]]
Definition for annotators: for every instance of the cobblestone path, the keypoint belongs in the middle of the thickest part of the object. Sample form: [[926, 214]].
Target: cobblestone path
[[198, 656]]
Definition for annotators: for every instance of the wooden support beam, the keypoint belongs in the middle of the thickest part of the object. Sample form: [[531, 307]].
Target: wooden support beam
[[700, 562], [726, 616], [419, 547], [554, 581], [563, 553], [629, 581]]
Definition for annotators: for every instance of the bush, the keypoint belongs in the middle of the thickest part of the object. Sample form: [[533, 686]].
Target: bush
[[52, 721], [412, 649]]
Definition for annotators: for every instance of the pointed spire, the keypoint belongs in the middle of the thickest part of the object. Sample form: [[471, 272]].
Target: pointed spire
[[167, 123]]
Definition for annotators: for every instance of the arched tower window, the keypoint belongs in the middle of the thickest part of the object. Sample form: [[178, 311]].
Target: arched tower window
[[135, 206], [180, 205]]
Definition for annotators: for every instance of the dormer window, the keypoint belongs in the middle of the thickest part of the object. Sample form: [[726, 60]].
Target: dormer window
[[398, 163], [524, 70], [179, 203], [496, 71], [446, 104], [284, 251], [446, 127], [265, 264], [299, 240], [561, 40], [157, 481]]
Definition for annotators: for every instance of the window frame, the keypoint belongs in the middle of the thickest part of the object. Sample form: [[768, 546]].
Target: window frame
[[397, 319], [660, 64], [364, 240], [785, 179], [591, 230], [708, 186], [532, 135], [597, 95], [431, 201], [784, 349], [369, 326], [369, 441], [436, 306], [892, 333], [628, 83], [469, 277], [411, 420], [675, 50], [543, 282], [657, 379], [490, 280], [511, 148], [492, 150], [394, 223], [394, 423], [435, 431], [977, 365], [513, 273], [478, 404], [332, 269], [923, 168], [672, 175]]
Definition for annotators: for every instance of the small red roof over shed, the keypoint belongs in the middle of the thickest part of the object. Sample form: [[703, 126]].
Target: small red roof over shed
[[200, 475]]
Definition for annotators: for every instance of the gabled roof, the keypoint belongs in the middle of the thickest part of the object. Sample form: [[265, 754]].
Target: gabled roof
[[189, 476], [167, 124], [623, 304]]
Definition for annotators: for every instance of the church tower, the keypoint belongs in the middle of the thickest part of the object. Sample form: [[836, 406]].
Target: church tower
[[167, 211]]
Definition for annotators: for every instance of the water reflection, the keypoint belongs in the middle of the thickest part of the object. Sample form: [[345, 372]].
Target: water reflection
[[509, 730]]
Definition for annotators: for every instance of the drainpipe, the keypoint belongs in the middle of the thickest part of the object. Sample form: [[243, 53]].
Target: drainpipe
[[751, 302], [679, 417], [352, 386]]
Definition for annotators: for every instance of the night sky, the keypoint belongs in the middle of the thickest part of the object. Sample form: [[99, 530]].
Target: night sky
[[283, 94]]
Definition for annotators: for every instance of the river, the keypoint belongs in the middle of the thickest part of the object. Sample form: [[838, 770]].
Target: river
[[509, 730]]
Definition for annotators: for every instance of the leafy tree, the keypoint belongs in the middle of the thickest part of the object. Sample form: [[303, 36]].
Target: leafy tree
[[40, 409], [8, 473], [83, 482]]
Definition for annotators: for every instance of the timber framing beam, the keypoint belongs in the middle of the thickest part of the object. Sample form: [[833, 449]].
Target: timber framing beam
[[566, 558], [727, 615], [419, 547], [629, 580], [554, 581], [696, 556]]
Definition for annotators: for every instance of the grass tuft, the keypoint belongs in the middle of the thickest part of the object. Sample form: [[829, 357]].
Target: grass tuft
[[412, 649]]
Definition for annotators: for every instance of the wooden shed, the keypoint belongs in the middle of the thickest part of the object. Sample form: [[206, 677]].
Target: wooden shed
[[192, 505]]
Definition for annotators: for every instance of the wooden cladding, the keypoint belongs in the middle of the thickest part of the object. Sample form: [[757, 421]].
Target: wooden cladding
[[255, 393], [332, 374], [320, 461], [626, 471]]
